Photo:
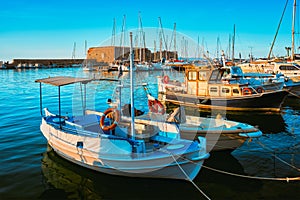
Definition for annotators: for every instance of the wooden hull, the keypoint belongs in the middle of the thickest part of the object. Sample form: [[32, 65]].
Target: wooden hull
[[267, 101]]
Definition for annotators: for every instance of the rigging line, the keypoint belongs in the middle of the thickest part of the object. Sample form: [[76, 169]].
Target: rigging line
[[277, 30], [189, 179]]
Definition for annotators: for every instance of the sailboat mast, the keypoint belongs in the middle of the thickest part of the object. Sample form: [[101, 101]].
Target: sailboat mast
[[113, 38], [175, 56], [233, 40], [293, 32], [163, 35], [272, 45], [74, 49], [160, 46], [85, 47], [122, 40], [131, 87], [155, 51], [140, 37]]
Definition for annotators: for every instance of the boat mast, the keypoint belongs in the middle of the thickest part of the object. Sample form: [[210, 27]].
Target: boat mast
[[140, 37], [197, 50], [269, 55], [74, 48], [142, 40], [163, 35], [293, 32], [160, 46], [131, 87], [113, 38], [233, 40], [175, 53], [229, 49], [173, 38], [218, 47], [85, 47], [154, 51], [122, 40]]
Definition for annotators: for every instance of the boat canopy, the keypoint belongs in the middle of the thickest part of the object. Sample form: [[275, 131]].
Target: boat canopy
[[62, 80]]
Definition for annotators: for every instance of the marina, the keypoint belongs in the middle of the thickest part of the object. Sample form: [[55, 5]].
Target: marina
[[182, 108], [261, 164]]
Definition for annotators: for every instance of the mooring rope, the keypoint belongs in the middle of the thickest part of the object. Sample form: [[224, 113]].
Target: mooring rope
[[287, 179], [188, 178], [294, 94]]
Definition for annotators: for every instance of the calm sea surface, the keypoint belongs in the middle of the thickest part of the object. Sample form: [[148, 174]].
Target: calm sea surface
[[29, 169]]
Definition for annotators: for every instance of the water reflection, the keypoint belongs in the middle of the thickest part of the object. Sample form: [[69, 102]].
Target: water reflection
[[66, 180]]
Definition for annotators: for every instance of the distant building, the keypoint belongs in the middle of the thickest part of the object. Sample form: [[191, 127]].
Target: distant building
[[108, 54]]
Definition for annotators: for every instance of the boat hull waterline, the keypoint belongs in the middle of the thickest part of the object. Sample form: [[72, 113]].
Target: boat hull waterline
[[267, 101]]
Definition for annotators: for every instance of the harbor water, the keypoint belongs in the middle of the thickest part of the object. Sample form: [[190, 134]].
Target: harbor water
[[29, 169]]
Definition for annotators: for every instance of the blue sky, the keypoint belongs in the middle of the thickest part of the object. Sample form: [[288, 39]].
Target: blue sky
[[49, 28]]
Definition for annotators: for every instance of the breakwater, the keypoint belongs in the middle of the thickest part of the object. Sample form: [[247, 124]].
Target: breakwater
[[41, 63]]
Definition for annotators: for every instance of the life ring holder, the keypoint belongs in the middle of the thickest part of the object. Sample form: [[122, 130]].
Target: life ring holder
[[116, 119], [166, 79], [156, 106], [246, 91], [260, 90]]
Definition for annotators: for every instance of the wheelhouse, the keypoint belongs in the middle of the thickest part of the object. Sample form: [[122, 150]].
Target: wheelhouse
[[207, 82]]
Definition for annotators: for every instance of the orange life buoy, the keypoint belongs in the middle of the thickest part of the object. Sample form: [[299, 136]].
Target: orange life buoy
[[156, 106], [116, 117], [260, 89], [246, 91], [166, 79]]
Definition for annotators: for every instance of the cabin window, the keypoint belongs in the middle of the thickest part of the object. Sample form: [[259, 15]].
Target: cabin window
[[235, 91], [192, 76], [213, 89], [225, 90], [202, 76], [215, 76]]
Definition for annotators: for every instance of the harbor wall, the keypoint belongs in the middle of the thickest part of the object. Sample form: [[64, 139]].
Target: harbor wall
[[43, 62]]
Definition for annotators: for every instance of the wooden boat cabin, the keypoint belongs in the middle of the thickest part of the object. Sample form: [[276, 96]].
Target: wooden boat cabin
[[207, 82]]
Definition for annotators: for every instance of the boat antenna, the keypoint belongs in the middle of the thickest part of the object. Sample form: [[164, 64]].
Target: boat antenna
[[131, 87], [269, 55]]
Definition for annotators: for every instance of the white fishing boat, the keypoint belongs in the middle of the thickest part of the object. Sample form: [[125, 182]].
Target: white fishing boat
[[106, 143], [220, 133]]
